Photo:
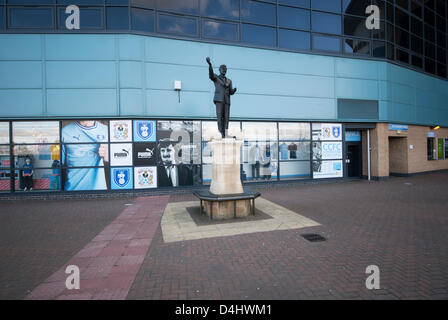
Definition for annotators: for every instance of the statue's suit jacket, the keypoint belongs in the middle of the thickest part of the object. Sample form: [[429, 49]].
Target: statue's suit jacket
[[223, 88]]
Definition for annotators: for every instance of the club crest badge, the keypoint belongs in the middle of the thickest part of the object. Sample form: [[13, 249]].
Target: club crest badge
[[144, 130], [145, 177], [122, 177], [121, 131], [336, 132]]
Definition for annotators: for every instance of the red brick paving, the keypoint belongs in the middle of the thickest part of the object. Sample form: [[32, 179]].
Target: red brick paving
[[398, 226], [108, 265]]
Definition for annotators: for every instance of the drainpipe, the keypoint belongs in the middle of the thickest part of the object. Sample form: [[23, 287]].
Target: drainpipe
[[368, 154]]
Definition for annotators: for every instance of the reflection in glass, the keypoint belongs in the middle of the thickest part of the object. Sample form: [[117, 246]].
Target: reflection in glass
[[401, 38], [2, 18], [4, 132], [258, 35], [417, 44], [177, 25], [260, 131], [356, 27], [326, 43], [225, 9], [401, 19], [294, 131], [325, 5], [402, 55], [355, 7], [258, 12], [30, 18], [356, 46], [184, 6], [293, 18], [326, 23], [220, 30], [117, 18], [297, 3], [417, 61], [35, 132], [143, 3], [379, 49], [142, 20], [296, 40], [416, 27], [293, 150]]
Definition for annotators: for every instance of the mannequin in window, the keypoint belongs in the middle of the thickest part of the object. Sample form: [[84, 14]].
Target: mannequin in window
[[253, 158], [27, 175], [292, 150], [283, 151]]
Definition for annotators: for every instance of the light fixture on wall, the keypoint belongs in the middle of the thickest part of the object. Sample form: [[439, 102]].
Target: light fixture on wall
[[178, 87], [435, 127]]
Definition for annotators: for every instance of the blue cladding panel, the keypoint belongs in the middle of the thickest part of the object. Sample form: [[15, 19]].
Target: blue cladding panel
[[193, 104], [357, 89], [131, 47], [81, 102], [20, 103], [131, 74], [176, 52], [80, 47], [162, 76], [283, 84], [131, 102], [23, 47], [21, 74], [81, 73], [351, 68]]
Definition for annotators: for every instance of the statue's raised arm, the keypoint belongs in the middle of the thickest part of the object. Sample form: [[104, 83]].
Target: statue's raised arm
[[211, 74]]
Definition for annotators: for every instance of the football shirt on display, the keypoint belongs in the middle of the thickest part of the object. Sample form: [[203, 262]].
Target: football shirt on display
[[79, 154]]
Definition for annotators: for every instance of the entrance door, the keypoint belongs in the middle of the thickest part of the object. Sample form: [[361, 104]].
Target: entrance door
[[353, 160]]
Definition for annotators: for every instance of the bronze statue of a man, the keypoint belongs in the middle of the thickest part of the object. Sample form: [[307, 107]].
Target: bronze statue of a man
[[223, 91]]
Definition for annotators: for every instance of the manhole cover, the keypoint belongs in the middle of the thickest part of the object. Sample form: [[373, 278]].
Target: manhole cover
[[313, 237]]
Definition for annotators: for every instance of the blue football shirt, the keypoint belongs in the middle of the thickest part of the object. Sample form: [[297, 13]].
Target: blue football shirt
[[80, 154]]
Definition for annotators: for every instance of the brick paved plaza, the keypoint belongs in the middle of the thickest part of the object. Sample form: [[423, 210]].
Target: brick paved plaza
[[128, 249]]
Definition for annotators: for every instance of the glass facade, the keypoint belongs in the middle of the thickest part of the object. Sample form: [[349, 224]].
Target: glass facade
[[412, 32], [125, 154]]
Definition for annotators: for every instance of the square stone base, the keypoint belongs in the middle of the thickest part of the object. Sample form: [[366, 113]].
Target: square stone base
[[227, 209]]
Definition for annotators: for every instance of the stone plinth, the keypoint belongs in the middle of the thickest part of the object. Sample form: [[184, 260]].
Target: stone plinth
[[227, 209], [226, 160], [227, 206]]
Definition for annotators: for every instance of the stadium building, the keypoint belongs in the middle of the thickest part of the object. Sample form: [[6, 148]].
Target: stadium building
[[115, 94]]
